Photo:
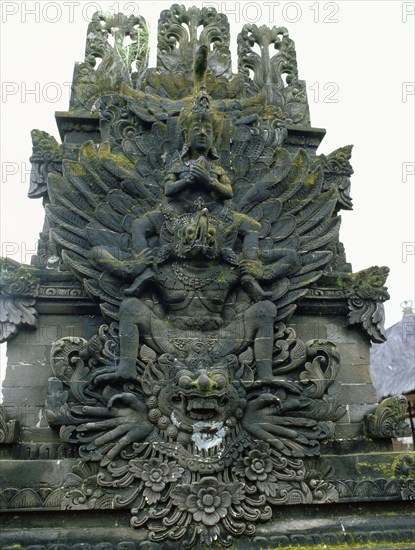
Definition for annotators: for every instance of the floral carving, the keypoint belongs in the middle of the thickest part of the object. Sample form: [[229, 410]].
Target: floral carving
[[389, 418], [208, 500], [155, 474], [257, 467]]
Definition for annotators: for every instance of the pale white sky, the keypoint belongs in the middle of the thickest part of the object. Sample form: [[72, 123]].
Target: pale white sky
[[357, 58]]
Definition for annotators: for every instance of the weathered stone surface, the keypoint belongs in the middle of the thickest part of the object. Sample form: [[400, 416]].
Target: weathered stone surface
[[358, 374], [349, 430], [357, 394], [223, 383]]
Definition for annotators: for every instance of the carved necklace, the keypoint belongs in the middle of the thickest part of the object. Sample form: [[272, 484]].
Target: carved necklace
[[193, 281]]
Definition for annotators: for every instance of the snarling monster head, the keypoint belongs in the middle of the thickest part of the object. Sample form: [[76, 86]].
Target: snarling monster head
[[191, 404]]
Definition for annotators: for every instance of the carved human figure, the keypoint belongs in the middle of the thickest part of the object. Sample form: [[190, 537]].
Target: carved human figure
[[206, 250], [194, 181], [196, 175], [194, 287]]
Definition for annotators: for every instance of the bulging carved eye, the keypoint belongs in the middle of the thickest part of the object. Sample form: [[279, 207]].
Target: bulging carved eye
[[220, 380], [185, 381]]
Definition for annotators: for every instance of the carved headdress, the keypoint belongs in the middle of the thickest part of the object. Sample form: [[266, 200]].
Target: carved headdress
[[202, 108]]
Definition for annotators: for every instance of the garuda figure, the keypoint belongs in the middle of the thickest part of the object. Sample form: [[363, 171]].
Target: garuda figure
[[198, 233]]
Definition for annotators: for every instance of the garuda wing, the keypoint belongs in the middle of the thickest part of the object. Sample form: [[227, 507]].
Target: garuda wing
[[299, 224], [93, 205]]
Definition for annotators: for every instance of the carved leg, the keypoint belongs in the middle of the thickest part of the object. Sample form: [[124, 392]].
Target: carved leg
[[139, 282], [134, 316], [129, 337], [260, 323], [254, 289]]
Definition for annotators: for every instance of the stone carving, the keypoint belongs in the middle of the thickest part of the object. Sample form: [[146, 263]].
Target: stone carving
[[364, 535], [405, 471], [18, 290], [122, 63], [46, 157], [9, 429], [181, 32], [31, 498], [337, 171], [277, 76], [220, 444], [389, 418], [197, 233], [369, 489], [196, 224], [365, 301]]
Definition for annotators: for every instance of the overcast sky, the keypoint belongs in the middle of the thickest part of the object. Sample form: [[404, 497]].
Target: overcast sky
[[355, 56]]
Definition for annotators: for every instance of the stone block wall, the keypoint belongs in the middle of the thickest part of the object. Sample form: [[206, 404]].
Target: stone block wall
[[28, 366], [354, 385]]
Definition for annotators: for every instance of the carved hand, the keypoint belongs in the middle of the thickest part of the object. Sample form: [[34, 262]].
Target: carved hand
[[200, 174], [254, 268], [141, 261], [264, 418], [126, 371], [128, 424]]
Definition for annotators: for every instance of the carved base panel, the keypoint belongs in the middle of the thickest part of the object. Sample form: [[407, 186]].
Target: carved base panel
[[376, 525], [374, 492]]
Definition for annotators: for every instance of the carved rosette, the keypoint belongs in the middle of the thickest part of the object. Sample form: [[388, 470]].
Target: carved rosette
[[390, 419], [197, 454], [365, 300], [18, 290]]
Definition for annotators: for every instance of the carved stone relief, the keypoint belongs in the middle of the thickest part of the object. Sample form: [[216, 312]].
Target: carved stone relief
[[197, 229]]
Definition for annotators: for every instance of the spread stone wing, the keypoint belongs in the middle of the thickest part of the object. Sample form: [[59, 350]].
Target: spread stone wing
[[92, 208], [285, 194]]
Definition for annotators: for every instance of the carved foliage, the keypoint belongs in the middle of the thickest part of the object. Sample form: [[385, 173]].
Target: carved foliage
[[179, 36], [276, 75], [18, 290], [122, 63], [365, 300], [389, 418]]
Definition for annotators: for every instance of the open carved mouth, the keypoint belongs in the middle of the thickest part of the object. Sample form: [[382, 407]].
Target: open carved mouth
[[201, 408]]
